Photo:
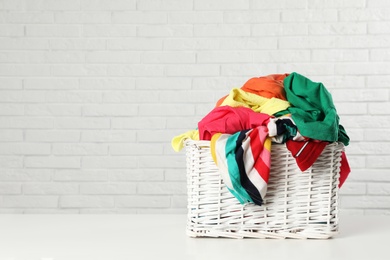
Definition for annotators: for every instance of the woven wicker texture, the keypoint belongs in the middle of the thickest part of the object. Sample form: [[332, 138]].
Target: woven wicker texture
[[297, 204]]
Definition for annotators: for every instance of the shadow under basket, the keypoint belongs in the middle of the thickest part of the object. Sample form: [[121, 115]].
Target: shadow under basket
[[297, 204]]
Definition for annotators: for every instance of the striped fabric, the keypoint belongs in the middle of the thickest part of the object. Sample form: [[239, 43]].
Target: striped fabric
[[244, 160]]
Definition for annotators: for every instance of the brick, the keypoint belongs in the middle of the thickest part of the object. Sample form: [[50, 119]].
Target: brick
[[10, 84], [221, 5], [51, 83], [25, 149], [107, 83], [375, 135], [164, 161], [50, 189], [350, 108], [187, 97], [360, 95], [10, 188], [135, 149], [175, 175], [275, 4], [77, 44], [11, 110], [221, 30], [156, 83], [24, 44], [149, 17], [179, 201], [73, 97], [249, 70], [23, 122], [363, 14], [108, 136], [373, 121], [53, 110], [11, 30], [113, 57], [195, 17], [82, 123], [353, 188], [21, 96], [378, 188], [53, 30], [130, 97], [163, 188], [52, 162], [43, 201], [310, 15], [108, 162], [337, 28], [29, 17], [365, 202], [268, 29], [25, 175], [52, 136], [52, 6], [109, 30], [11, 135], [136, 175], [337, 4], [82, 17], [160, 5], [224, 57], [134, 44], [192, 70], [86, 201], [25, 69], [370, 175], [380, 55], [110, 110], [362, 68], [310, 70], [136, 70], [78, 70], [108, 189], [138, 123], [104, 5], [380, 108], [164, 30], [80, 175], [281, 56], [379, 161], [80, 149], [142, 201], [168, 57], [167, 110], [340, 55], [251, 17], [191, 44]]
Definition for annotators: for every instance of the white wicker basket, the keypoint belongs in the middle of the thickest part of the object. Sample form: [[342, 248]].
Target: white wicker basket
[[297, 204]]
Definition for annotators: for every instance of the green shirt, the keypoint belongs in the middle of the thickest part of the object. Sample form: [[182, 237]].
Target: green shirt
[[312, 109]]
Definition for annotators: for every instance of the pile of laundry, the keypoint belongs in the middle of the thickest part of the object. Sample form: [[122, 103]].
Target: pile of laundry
[[280, 108]]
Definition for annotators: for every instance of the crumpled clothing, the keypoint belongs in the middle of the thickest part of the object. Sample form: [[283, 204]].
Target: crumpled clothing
[[270, 86], [313, 110], [241, 98], [267, 86], [305, 153], [177, 142], [229, 120], [244, 161], [281, 129]]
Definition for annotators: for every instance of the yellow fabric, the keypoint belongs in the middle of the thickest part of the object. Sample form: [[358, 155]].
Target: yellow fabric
[[178, 141], [241, 98]]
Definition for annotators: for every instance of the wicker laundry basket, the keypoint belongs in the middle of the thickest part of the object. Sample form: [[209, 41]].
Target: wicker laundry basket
[[297, 204]]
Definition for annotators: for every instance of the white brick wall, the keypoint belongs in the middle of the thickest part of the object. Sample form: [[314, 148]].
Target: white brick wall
[[92, 91]]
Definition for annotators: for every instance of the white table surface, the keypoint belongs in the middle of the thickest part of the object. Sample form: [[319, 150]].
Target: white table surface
[[117, 237]]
